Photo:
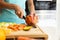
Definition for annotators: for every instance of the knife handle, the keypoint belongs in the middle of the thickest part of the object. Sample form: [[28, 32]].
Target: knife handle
[[24, 17]]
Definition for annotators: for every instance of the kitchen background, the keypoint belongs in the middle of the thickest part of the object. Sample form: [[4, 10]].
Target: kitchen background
[[46, 11]]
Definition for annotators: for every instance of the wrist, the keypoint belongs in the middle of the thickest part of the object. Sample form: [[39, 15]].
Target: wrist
[[15, 7], [32, 12]]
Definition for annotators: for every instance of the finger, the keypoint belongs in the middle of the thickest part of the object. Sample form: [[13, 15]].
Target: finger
[[18, 14], [21, 14], [36, 17]]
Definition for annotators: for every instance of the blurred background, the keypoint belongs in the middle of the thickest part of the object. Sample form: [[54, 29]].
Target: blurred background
[[45, 5]]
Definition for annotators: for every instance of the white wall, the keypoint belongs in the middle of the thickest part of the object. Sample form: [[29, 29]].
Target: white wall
[[47, 18], [58, 17], [48, 23]]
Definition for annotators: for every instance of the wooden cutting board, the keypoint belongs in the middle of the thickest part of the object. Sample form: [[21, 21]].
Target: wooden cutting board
[[33, 32]]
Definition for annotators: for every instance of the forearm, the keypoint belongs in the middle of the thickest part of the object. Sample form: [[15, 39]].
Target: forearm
[[7, 5], [31, 6]]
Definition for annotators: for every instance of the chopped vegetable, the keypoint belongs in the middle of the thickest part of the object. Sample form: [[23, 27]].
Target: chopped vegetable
[[27, 28]]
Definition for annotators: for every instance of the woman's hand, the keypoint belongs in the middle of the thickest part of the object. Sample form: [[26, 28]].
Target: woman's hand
[[31, 19], [34, 18], [19, 12]]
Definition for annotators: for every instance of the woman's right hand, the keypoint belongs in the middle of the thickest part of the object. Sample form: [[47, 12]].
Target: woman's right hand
[[19, 12], [15, 7]]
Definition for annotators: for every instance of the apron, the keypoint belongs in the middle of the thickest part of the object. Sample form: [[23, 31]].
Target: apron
[[8, 15]]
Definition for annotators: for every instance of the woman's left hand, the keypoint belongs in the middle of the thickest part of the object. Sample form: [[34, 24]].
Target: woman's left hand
[[31, 19], [34, 17]]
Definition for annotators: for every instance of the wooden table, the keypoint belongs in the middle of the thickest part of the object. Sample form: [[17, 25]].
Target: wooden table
[[33, 33]]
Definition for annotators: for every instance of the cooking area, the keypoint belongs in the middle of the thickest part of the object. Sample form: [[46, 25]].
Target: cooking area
[[28, 19]]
